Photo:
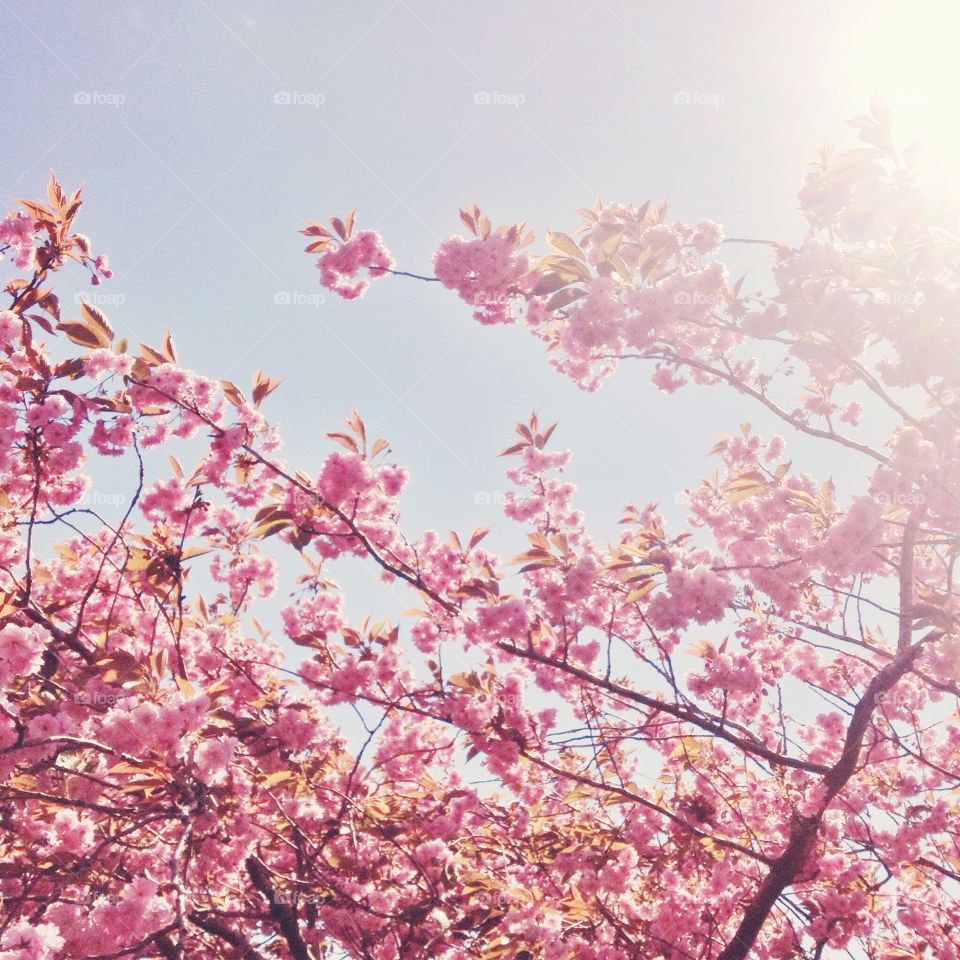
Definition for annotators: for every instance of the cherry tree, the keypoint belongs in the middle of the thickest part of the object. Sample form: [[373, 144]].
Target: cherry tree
[[731, 739]]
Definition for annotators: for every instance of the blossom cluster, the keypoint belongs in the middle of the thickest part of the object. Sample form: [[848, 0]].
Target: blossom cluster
[[597, 748], [339, 267], [17, 235], [485, 272]]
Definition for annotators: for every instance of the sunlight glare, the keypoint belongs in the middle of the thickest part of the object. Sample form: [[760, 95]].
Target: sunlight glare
[[907, 53]]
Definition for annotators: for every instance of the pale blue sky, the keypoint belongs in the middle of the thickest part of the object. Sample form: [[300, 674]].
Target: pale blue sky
[[197, 181]]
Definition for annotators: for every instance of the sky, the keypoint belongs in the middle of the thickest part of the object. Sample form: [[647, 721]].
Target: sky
[[206, 132]]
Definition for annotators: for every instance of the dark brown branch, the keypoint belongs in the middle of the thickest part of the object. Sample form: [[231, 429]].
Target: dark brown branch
[[284, 913], [754, 747], [674, 818], [803, 830], [166, 946], [212, 924]]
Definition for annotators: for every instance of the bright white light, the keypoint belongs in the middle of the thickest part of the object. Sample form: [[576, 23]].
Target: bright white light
[[910, 53]]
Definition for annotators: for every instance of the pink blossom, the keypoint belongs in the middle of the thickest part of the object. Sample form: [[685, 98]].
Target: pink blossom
[[17, 232], [165, 498], [342, 264], [102, 266], [484, 272], [21, 650], [344, 476], [101, 362], [707, 237], [70, 832], [212, 759], [30, 941], [11, 327]]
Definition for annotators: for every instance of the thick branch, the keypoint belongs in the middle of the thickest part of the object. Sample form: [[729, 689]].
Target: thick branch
[[283, 913], [212, 924], [803, 830]]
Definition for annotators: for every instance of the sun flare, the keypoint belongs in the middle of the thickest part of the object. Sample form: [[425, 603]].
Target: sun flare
[[907, 53]]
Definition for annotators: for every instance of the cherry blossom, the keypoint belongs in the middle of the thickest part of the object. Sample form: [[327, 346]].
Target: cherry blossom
[[724, 737]]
